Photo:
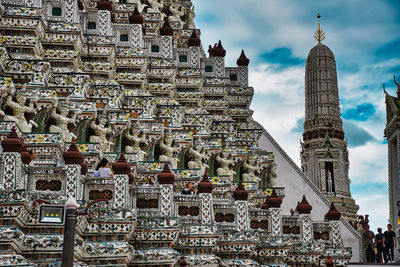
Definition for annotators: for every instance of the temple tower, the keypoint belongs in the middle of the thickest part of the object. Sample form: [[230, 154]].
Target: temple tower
[[324, 155], [392, 135]]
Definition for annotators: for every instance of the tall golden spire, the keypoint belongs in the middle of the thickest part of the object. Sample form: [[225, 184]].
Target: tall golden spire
[[319, 34]]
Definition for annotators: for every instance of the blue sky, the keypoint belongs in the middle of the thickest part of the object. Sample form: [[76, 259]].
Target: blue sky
[[277, 35]]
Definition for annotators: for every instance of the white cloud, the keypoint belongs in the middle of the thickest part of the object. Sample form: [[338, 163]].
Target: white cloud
[[278, 103], [368, 163], [288, 83]]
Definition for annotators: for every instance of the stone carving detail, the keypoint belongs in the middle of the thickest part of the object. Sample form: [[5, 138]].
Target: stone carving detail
[[168, 151], [19, 109], [62, 122], [101, 132], [272, 176], [176, 14], [190, 19], [251, 167], [155, 6], [198, 155], [135, 139], [225, 160]]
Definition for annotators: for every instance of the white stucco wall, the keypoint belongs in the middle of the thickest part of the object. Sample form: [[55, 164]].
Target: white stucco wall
[[296, 185]]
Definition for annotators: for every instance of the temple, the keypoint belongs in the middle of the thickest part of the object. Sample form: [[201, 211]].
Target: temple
[[324, 154], [129, 81], [392, 135]]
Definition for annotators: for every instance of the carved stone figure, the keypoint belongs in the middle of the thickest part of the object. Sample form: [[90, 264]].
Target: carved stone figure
[[190, 19], [2, 102], [225, 160], [62, 122], [155, 6], [272, 176], [177, 13], [135, 139], [19, 110], [329, 185], [168, 150], [251, 166], [101, 132], [197, 154]]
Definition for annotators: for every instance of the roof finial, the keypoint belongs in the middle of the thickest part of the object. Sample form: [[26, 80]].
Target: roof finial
[[398, 86], [319, 34]]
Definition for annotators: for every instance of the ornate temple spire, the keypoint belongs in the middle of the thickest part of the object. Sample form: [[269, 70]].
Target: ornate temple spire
[[319, 34], [324, 156]]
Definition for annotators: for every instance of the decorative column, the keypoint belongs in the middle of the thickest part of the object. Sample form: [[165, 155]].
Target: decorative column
[[241, 195], [137, 28], [304, 209], [219, 53], [243, 65], [333, 216], [194, 46], [166, 179], [105, 17], [69, 233], [274, 204], [122, 178], [76, 167], [205, 188], [10, 173], [71, 11], [166, 33]]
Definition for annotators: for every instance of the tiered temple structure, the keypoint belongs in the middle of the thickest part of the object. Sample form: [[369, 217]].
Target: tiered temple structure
[[392, 134], [129, 81], [324, 154]]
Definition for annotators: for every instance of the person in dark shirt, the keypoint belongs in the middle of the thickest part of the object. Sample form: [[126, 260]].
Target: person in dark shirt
[[380, 246], [390, 243], [189, 190]]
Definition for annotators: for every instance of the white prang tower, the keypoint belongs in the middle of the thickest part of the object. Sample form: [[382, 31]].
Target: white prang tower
[[324, 154]]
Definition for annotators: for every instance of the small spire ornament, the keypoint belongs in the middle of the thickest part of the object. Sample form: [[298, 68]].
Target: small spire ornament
[[319, 34]]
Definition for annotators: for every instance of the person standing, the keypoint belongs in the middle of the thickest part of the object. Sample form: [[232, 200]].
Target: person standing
[[104, 170], [380, 246], [390, 243], [369, 241], [152, 181], [189, 190]]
